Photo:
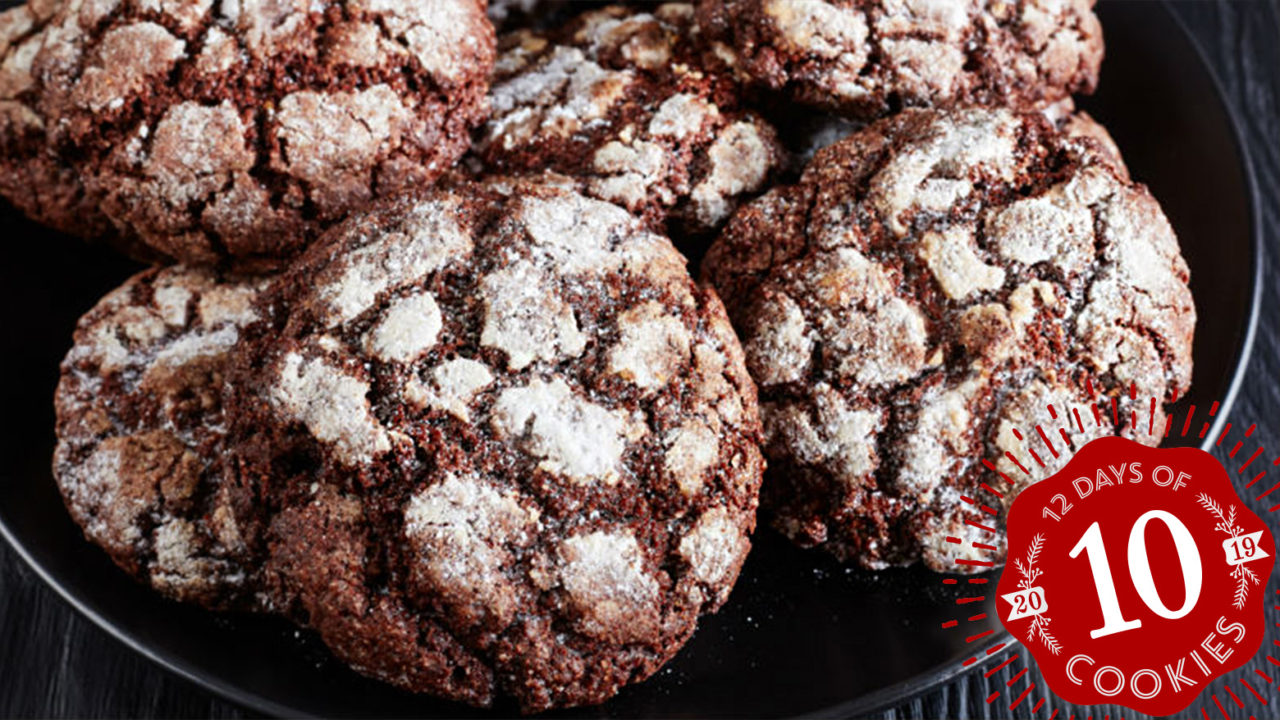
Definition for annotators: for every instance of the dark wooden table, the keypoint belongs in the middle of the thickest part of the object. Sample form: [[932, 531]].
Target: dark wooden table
[[55, 663]]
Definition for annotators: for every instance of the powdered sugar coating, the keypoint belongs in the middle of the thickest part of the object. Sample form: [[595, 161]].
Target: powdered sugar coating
[[331, 403], [930, 285], [141, 432], [410, 327], [632, 108], [435, 238], [452, 386], [550, 422], [652, 348], [714, 548], [545, 461], [692, 450], [461, 528], [605, 577], [526, 318], [864, 57], [213, 131]]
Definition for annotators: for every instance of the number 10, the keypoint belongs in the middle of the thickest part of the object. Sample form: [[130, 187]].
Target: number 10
[[1113, 620]]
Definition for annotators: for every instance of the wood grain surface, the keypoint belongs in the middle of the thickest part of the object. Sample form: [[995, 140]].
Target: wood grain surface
[[55, 663]]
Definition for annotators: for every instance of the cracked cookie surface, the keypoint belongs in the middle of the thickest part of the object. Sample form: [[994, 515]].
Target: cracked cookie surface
[[215, 130], [141, 433], [32, 176], [929, 286], [866, 58], [632, 108], [509, 446]]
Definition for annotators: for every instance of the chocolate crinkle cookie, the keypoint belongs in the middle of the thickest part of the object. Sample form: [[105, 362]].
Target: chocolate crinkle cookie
[[32, 176], [142, 434], [924, 292], [632, 108], [508, 446], [865, 58], [237, 131]]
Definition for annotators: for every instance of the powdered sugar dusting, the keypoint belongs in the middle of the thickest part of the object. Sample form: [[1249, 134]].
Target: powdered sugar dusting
[[741, 158], [1027, 408], [682, 115], [453, 385], [940, 441], [918, 179], [955, 263], [692, 449], [715, 547], [524, 437], [332, 404], [576, 233], [429, 238], [781, 347], [332, 141], [573, 436], [237, 132], [604, 574], [562, 96], [408, 328], [526, 318], [652, 347], [868, 58], [630, 107], [460, 529], [129, 54]]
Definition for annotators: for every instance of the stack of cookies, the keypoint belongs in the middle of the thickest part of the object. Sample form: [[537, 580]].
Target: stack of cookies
[[421, 365]]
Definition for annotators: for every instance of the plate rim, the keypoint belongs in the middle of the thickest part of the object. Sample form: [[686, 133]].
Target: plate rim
[[867, 704]]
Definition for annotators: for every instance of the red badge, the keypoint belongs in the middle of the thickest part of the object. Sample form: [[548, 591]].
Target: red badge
[[1135, 576]]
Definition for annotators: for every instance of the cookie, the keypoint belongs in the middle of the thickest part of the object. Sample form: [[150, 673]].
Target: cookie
[[239, 131], [633, 109], [142, 433], [929, 286], [33, 177], [867, 58], [509, 447]]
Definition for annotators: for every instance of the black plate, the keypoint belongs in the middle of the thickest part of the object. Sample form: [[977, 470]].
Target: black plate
[[801, 635]]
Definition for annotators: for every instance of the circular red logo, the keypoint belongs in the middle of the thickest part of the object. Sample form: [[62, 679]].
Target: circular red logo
[[1135, 576]]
